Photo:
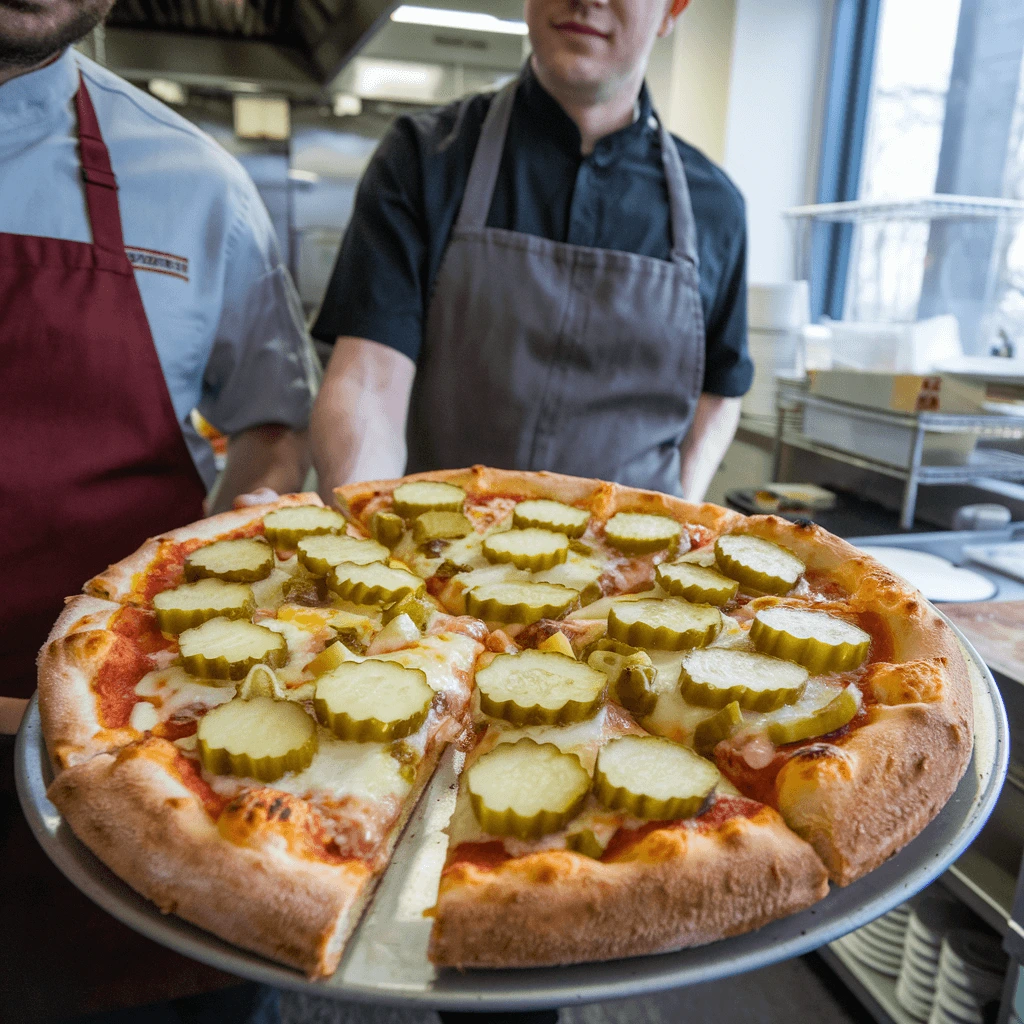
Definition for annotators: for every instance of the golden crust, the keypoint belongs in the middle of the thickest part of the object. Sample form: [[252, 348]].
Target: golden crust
[[77, 644], [676, 888], [116, 583], [150, 830]]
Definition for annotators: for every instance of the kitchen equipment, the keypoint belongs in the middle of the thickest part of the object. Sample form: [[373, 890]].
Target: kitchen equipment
[[937, 578], [981, 517], [386, 962]]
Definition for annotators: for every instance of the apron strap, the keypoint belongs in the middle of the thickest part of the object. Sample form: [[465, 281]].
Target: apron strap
[[684, 225], [483, 174], [98, 175]]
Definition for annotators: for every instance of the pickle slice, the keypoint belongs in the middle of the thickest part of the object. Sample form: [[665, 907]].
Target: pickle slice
[[533, 549], [818, 641], [227, 648], [235, 561], [665, 625], [372, 583], [653, 778], [631, 673], [372, 701], [539, 688], [832, 716], [329, 658], [285, 527], [417, 606], [720, 726], [387, 528], [695, 583], [587, 843], [321, 552], [559, 643], [526, 789], [192, 604], [542, 514], [411, 500], [758, 564], [261, 738], [519, 602], [635, 533], [437, 525], [717, 676]]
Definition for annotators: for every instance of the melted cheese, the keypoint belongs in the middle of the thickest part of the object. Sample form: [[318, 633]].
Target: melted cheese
[[170, 691]]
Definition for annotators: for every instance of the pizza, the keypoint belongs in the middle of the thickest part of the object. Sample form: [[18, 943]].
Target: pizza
[[675, 723]]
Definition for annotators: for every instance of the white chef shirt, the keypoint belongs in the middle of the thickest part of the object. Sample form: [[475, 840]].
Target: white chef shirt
[[226, 321]]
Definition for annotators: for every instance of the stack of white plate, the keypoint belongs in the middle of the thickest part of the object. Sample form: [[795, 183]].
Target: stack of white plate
[[971, 970], [879, 944], [930, 920]]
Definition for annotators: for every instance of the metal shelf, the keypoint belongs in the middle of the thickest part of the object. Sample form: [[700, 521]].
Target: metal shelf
[[874, 991], [934, 207], [990, 463]]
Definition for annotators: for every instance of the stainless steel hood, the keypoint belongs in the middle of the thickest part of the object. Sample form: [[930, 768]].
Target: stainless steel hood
[[291, 47]]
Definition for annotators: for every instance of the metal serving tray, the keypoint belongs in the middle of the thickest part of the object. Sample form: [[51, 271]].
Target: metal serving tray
[[386, 961]]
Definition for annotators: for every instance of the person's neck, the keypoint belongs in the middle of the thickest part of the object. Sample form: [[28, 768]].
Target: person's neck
[[8, 73], [596, 112]]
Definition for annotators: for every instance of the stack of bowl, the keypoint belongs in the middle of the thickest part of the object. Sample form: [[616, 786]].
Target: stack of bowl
[[930, 920], [972, 966], [879, 945]]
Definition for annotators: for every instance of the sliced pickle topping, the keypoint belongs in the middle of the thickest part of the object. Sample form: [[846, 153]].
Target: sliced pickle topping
[[285, 527], [720, 726], [758, 564], [227, 648], [373, 583], [192, 604], [587, 843], [539, 688], [635, 533], [717, 676], [695, 583], [526, 789], [834, 715], [260, 738], [653, 778], [519, 602], [665, 625], [631, 673], [387, 528], [542, 514], [322, 552], [418, 607], [235, 561], [372, 701], [411, 500], [329, 658], [818, 641], [438, 525], [532, 549]]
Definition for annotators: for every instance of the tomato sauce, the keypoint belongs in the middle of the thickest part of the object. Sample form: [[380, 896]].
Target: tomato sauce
[[488, 855], [125, 664], [188, 774]]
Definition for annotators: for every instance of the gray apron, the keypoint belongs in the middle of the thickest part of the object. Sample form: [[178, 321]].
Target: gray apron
[[544, 355]]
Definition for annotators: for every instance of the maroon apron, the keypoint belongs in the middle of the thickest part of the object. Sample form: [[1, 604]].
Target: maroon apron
[[94, 460]]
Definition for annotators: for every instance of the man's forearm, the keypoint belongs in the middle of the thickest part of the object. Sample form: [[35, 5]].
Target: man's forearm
[[358, 425], [711, 433], [266, 456]]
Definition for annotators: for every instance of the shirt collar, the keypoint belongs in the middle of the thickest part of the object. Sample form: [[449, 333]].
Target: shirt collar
[[547, 114], [40, 95]]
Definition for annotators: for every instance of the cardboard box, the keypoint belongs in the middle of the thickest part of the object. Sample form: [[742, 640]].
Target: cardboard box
[[900, 392]]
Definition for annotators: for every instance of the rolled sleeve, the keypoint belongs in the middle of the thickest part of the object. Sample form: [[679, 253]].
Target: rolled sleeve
[[262, 368], [376, 288]]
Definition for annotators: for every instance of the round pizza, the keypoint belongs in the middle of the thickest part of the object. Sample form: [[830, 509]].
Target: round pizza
[[675, 723]]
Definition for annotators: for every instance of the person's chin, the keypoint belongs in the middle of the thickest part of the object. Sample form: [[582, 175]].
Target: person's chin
[[576, 70]]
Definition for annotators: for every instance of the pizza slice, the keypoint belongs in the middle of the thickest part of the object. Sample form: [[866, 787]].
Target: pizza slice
[[577, 835], [828, 689]]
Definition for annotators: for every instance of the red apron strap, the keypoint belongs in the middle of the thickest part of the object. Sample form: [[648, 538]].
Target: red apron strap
[[100, 183]]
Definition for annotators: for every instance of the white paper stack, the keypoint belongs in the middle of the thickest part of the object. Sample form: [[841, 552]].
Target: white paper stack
[[972, 966], [879, 945]]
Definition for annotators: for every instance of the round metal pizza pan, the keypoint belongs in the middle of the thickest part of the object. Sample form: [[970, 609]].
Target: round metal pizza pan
[[386, 961]]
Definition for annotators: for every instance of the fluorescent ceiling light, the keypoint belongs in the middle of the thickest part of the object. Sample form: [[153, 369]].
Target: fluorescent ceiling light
[[470, 20]]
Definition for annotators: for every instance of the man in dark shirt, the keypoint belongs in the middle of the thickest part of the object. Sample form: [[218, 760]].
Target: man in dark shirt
[[541, 279]]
